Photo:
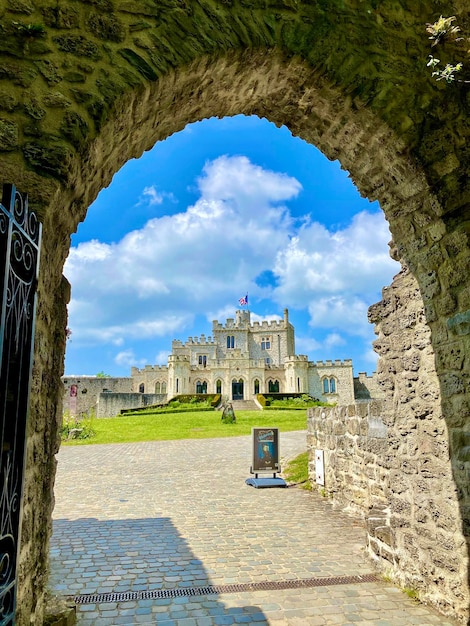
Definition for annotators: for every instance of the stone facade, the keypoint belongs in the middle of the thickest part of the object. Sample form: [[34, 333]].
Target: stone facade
[[239, 360], [390, 459], [95, 84], [242, 359]]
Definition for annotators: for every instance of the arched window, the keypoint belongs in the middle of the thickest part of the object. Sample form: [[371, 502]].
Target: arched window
[[157, 387], [177, 385], [332, 385], [326, 385], [201, 387], [163, 387], [141, 388], [230, 341], [273, 386], [298, 384], [256, 386], [218, 386]]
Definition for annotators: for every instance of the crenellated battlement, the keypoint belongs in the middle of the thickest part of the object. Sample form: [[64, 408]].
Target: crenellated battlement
[[163, 369], [297, 358], [327, 363], [193, 341]]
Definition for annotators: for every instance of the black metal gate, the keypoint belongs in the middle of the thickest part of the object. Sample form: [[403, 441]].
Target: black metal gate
[[20, 240]]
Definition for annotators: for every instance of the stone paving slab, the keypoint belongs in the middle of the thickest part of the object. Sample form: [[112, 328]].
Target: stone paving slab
[[178, 514]]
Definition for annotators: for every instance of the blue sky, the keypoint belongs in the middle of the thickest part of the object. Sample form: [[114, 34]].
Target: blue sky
[[221, 209]]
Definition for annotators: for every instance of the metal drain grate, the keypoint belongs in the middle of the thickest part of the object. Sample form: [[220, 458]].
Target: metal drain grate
[[179, 592]]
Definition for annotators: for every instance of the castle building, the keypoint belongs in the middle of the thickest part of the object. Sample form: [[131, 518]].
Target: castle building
[[239, 360], [242, 359]]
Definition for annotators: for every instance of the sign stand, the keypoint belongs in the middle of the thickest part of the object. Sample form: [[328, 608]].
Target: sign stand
[[265, 458]]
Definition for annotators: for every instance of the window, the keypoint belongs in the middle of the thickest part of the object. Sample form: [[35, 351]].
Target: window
[[218, 386], [267, 360], [177, 385], [157, 387], [273, 386], [202, 360], [201, 387], [329, 384], [256, 386], [230, 341], [266, 343], [163, 387], [141, 388]]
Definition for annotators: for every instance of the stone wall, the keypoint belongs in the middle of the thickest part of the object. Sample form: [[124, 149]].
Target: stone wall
[[81, 392], [390, 459], [111, 404], [367, 387]]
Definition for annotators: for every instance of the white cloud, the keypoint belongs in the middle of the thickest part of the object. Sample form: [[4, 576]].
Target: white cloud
[[341, 311], [306, 345], [162, 357], [334, 339], [145, 284], [156, 280], [152, 197], [126, 358]]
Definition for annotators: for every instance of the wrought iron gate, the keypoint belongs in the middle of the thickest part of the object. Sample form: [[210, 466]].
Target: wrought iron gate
[[20, 239]]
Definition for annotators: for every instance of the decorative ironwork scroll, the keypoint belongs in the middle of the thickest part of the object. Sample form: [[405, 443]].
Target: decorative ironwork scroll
[[20, 240]]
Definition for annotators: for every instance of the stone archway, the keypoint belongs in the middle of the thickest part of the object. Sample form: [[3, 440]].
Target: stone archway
[[95, 84]]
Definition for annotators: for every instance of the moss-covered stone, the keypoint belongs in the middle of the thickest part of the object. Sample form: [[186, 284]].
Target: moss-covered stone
[[138, 63], [20, 6], [106, 27], [48, 157], [8, 135], [74, 77], [74, 128], [56, 100], [33, 109], [49, 71], [7, 102], [61, 16], [78, 46]]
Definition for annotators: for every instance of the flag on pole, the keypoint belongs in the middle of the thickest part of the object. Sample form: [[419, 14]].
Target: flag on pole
[[244, 301]]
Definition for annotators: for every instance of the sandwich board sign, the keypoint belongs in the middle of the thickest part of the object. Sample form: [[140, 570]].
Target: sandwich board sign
[[265, 458]]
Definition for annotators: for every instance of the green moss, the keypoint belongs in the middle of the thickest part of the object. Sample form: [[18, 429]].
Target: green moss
[[78, 45], [106, 27], [138, 63], [34, 110], [61, 17], [8, 135], [74, 127], [48, 158]]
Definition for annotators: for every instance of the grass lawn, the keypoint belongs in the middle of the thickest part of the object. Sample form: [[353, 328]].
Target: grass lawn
[[193, 425]]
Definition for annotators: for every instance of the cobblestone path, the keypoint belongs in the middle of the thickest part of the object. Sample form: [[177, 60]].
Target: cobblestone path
[[147, 521]]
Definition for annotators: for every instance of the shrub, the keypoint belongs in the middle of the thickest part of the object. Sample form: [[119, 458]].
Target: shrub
[[76, 427]]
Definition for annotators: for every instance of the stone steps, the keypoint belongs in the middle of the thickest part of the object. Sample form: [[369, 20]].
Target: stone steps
[[244, 405]]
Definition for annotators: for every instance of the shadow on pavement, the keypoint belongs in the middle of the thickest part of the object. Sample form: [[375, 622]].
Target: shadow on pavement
[[90, 556]]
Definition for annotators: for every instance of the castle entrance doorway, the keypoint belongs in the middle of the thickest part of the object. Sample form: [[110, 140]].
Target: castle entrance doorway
[[237, 390]]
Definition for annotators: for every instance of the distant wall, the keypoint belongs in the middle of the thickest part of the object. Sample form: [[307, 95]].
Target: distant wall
[[111, 404], [367, 387], [81, 392]]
